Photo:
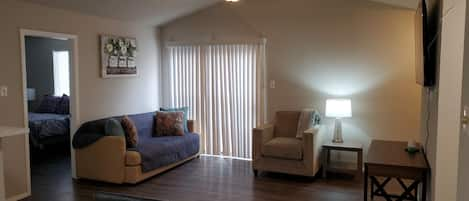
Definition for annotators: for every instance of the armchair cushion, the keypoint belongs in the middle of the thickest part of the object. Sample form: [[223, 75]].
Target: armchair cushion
[[284, 147], [286, 123]]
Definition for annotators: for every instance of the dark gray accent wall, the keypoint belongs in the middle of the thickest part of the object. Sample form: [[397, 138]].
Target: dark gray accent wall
[[40, 65]]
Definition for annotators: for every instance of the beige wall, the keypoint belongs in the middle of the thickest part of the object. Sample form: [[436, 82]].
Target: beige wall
[[98, 97], [322, 49]]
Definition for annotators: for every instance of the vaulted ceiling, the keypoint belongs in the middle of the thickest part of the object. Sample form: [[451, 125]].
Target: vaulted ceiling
[[152, 12]]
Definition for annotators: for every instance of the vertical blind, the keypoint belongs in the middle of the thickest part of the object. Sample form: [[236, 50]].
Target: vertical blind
[[223, 86]]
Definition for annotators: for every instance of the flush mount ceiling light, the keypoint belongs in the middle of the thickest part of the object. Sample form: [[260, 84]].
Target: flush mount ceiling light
[[231, 1]]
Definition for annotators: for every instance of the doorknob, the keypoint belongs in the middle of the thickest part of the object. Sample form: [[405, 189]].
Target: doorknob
[[465, 120]]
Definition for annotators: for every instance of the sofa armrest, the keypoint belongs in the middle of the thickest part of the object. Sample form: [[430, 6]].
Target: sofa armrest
[[312, 145], [103, 161], [191, 126], [260, 136]]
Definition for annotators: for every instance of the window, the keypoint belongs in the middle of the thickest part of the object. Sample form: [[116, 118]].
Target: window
[[222, 84], [61, 73]]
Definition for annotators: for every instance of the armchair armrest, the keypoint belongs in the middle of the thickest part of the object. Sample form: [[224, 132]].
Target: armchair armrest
[[312, 145], [260, 136], [103, 161]]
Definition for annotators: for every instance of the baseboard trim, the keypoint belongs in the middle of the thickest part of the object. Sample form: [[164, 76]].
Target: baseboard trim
[[19, 197], [227, 157]]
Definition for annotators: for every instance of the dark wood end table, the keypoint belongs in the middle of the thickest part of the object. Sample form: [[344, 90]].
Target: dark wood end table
[[328, 165], [389, 159]]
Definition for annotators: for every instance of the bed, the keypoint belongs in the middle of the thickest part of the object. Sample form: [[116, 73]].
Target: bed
[[49, 126]]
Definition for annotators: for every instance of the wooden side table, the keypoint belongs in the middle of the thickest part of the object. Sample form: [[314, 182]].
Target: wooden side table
[[389, 159], [328, 165]]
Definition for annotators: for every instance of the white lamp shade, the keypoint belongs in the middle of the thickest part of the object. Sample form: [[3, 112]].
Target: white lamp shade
[[338, 108]]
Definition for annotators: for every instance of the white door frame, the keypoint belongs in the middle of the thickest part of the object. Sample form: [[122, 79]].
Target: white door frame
[[450, 93], [74, 101]]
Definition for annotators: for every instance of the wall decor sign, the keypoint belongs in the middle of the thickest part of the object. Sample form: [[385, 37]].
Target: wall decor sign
[[118, 56]]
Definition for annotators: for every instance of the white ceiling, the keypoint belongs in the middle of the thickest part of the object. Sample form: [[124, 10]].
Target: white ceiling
[[411, 4], [152, 12]]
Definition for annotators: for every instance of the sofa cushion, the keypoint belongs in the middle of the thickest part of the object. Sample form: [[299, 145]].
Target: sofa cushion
[[92, 131], [161, 151], [286, 123], [145, 124], [284, 147], [132, 158]]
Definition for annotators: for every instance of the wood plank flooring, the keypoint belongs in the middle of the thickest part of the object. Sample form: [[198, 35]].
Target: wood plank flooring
[[203, 179]]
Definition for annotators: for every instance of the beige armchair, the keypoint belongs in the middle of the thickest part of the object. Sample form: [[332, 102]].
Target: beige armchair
[[276, 148]]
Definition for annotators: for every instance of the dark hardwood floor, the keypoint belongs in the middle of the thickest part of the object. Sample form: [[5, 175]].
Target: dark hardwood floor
[[203, 179]]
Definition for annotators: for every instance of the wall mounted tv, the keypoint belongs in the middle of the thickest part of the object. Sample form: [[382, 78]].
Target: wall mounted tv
[[425, 65]]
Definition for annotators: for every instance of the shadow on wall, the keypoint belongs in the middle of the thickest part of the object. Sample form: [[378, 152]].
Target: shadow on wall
[[378, 109]]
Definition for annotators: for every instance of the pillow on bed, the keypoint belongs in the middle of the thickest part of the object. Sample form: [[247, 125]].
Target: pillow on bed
[[64, 106], [49, 104], [169, 124], [131, 133]]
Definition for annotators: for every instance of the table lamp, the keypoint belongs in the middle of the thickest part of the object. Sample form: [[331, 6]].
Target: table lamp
[[338, 109]]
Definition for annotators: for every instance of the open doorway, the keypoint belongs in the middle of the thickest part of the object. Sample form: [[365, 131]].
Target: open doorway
[[49, 84], [48, 93]]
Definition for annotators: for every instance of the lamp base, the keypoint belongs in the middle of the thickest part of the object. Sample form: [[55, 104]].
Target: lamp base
[[338, 132]]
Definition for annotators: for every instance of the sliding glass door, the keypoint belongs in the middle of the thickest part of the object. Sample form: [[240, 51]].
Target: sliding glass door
[[223, 85]]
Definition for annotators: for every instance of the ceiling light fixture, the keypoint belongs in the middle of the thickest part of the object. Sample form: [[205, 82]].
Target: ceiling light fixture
[[231, 0]]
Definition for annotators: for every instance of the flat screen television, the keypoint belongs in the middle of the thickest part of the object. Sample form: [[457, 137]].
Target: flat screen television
[[425, 66]]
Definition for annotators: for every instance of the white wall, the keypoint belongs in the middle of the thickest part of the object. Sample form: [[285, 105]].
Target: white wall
[[319, 49], [98, 97]]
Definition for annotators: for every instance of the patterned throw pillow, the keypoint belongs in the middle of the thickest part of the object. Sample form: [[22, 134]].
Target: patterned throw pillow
[[131, 132], [49, 104], [169, 123], [181, 109]]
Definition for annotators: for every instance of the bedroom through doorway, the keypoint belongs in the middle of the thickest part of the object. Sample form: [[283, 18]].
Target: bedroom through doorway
[[48, 79]]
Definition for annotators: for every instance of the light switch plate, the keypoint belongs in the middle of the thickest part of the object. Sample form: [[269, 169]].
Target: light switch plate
[[3, 91]]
